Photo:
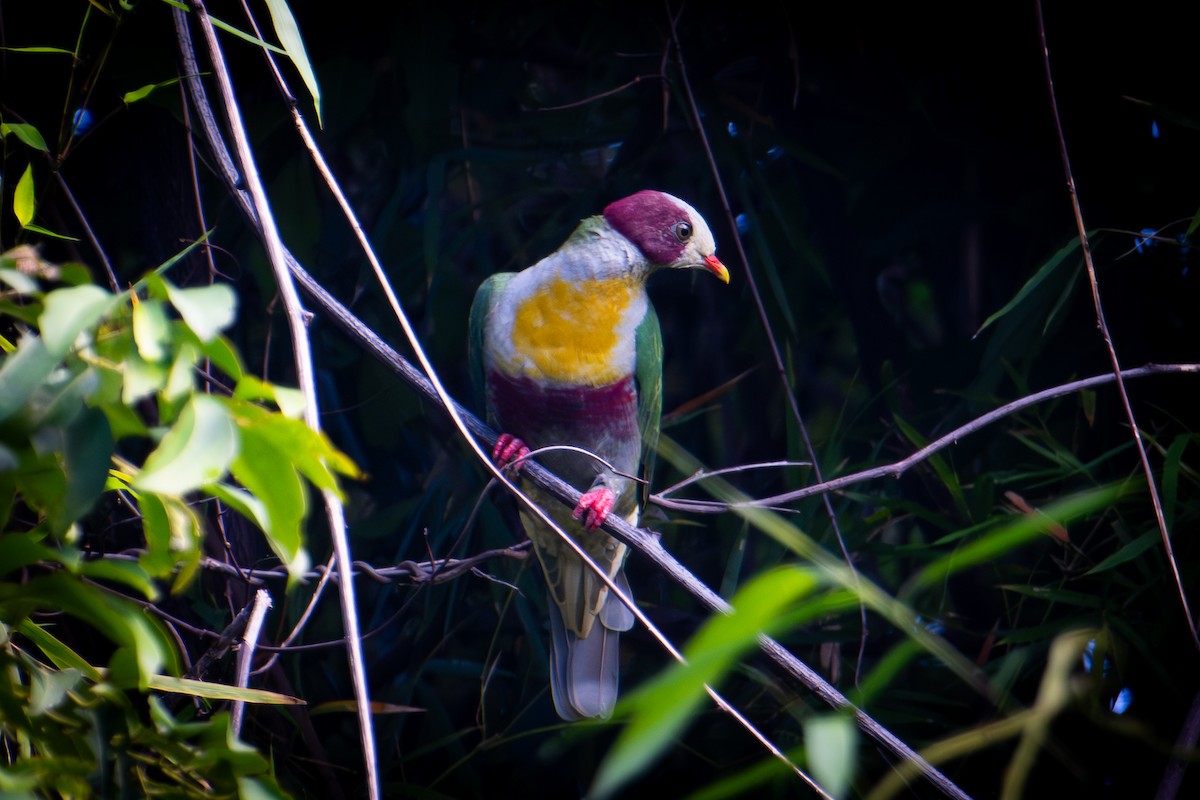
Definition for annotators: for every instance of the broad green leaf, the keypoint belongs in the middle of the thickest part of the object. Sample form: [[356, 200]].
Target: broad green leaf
[[151, 331], [129, 573], [71, 311], [265, 470], [289, 36], [312, 453], [832, 744], [662, 707], [26, 133], [19, 281], [143, 647], [141, 378], [207, 310], [19, 550], [224, 356], [290, 401], [180, 382], [196, 450], [49, 687], [64, 402], [242, 502], [23, 197], [22, 373], [86, 456]]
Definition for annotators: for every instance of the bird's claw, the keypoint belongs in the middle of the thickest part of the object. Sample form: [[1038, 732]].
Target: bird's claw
[[507, 450], [593, 507]]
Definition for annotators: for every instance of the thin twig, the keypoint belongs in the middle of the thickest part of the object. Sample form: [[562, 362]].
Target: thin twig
[[1151, 485], [898, 468], [304, 370], [258, 614], [768, 330]]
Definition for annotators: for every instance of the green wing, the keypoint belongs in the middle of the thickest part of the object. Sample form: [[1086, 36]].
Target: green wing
[[485, 298], [649, 347]]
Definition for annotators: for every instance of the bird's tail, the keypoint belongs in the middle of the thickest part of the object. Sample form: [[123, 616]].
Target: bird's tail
[[584, 673]]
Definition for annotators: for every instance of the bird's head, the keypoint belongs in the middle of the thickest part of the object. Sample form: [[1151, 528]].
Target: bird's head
[[668, 231]]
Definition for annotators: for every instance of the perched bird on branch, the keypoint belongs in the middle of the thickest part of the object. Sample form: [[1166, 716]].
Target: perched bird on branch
[[569, 352]]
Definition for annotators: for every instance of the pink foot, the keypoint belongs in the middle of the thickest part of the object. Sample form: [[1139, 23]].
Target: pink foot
[[507, 450], [595, 503]]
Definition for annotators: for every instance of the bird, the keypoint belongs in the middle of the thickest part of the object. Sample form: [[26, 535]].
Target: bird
[[569, 352]]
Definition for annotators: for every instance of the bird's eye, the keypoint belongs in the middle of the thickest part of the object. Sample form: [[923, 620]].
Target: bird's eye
[[683, 231]]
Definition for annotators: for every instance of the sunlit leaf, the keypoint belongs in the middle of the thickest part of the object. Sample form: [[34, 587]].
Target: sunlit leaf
[[71, 311], [662, 707], [207, 310], [22, 373], [151, 331], [265, 471], [220, 691], [49, 688], [23, 197], [289, 36], [196, 450], [832, 744]]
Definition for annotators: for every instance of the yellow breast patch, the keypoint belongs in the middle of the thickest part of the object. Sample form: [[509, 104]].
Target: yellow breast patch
[[577, 332]]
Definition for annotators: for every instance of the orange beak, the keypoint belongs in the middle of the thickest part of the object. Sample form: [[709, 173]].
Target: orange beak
[[717, 268]]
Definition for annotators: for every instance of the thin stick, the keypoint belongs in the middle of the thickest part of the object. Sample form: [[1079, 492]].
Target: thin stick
[[898, 468], [776, 355], [304, 371], [1151, 485], [258, 614]]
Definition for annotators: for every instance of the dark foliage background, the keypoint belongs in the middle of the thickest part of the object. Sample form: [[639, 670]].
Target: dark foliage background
[[895, 178]]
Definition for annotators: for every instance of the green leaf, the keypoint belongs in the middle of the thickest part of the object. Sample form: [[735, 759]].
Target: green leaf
[[49, 687], [290, 401], [662, 707], [19, 281], [35, 228], [86, 455], [26, 133], [289, 36], [207, 310], [1018, 532], [312, 453], [266, 471], [140, 378], [22, 373], [141, 93], [19, 550], [832, 744], [196, 450], [59, 654], [218, 691], [23, 197], [1042, 274], [71, 311], [1129, 552], [151, 330]]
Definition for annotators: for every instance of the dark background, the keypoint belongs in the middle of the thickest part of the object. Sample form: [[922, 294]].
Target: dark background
[[897, 179]]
